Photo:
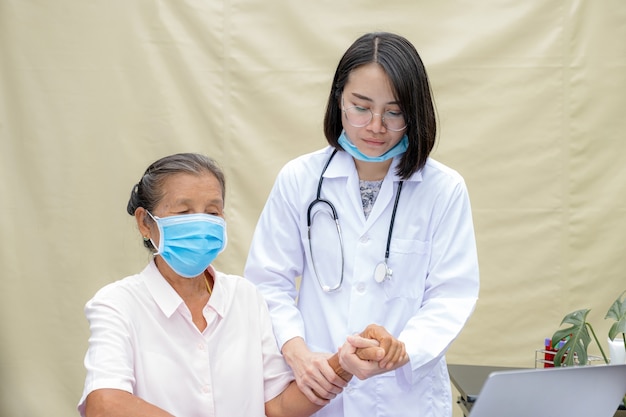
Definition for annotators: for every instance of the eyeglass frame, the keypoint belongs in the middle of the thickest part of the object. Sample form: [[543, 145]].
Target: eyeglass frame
[[382, 117]]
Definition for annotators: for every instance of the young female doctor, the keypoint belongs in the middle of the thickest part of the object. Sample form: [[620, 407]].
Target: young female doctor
[[378, 232]]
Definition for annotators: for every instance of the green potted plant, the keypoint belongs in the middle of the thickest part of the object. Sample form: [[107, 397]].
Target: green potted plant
[[577, 337]]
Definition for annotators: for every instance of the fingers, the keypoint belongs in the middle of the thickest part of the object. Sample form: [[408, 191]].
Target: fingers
[[317, 380], [395, 355], [395, 352], [366, 349], [362, 342], [371, 353], [352, 363], [379, 333]]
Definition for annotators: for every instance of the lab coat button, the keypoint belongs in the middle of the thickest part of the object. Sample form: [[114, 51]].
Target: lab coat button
[[360, 288], [364, 239]]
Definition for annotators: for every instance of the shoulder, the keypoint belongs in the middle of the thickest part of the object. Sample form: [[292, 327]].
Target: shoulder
[[117, 301], [300, 174], [127, 293], [239, 287], [310, 163], [435, 174], [122, 288], [434, 168]]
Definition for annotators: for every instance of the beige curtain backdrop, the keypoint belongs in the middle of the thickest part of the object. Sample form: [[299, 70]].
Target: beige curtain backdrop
[[531, 97]]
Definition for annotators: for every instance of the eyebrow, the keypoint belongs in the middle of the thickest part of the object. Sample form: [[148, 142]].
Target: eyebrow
[[188, 202], [362, 97]]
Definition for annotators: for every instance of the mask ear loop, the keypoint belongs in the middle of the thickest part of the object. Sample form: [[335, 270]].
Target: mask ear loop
[[146, 238], [382, 272]]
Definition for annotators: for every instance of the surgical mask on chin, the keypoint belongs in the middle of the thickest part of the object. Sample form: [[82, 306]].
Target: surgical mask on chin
[[190, 242], [349, 147]]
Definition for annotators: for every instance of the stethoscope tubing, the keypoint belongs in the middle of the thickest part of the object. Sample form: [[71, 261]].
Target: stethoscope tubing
[[319, 200]]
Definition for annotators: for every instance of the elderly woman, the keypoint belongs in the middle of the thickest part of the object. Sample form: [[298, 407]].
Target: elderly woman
[[180, 338]]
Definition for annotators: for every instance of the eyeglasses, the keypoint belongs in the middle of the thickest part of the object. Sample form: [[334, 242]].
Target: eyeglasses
[[359, 116]]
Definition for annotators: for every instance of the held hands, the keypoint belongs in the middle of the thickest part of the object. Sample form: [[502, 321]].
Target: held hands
[[321, 377], [360, 358]]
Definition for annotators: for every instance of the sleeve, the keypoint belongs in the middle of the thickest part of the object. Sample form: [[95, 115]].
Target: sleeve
[[108, 360], [276, 373], [276, 256], [452, 286]]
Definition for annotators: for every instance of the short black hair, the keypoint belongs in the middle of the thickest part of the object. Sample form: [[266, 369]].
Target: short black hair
[[401, 62]]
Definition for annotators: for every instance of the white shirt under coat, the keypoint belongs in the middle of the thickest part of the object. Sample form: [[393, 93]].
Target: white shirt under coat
[[143, 341], [432, 293]]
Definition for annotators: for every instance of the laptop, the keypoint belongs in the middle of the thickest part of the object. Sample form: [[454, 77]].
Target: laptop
[[580, 391]]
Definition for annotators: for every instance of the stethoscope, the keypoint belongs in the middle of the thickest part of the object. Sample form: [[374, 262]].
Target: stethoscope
[[382, 272]]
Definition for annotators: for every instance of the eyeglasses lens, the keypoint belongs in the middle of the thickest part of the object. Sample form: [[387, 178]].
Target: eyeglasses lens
[[360, 117]]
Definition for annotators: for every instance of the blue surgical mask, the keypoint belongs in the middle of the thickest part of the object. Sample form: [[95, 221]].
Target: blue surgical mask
[[349, 147], [190, 242]]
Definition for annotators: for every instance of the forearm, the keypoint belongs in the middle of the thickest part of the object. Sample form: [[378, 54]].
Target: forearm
[[291, 403], [118, 403]]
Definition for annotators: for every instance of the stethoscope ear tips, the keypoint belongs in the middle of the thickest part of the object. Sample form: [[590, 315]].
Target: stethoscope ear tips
[[382, 272]]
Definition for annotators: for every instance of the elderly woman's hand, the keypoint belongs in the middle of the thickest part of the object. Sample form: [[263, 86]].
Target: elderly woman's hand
[[395, 352], [373, 352], [359, 358]]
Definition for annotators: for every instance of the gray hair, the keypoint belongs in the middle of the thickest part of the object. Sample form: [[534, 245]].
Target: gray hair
[[148, 192]]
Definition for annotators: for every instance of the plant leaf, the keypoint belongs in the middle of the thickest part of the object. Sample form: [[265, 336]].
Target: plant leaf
[[576, 338], [617, 312]]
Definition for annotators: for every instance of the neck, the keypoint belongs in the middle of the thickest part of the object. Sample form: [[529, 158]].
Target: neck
[[372, 171], [187, 288]]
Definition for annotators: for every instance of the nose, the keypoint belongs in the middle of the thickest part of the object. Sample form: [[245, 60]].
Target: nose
[[376, 124]]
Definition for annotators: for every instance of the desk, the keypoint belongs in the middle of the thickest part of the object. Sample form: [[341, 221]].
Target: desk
[[469, 379]]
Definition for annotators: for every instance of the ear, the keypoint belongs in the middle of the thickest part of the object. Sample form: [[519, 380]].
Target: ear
[[141, 216]]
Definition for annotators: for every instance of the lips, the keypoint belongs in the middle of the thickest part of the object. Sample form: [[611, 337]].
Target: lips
[[374, 142]]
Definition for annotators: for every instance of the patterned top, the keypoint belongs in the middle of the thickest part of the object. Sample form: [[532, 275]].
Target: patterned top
[[369, 192]]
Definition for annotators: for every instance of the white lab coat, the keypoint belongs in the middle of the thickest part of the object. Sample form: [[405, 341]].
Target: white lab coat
[[432, 292]]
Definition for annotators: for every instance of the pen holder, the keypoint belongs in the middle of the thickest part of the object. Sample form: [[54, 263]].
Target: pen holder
[[545, 357]]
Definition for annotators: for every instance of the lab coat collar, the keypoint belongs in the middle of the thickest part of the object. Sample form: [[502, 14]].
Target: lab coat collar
[[343, 165]]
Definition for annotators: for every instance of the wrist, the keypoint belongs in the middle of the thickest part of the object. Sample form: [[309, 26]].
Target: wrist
[[292, 349], [333, 361]]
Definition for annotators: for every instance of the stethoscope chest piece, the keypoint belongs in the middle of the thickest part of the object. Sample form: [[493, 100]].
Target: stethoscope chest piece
[[382, 272]]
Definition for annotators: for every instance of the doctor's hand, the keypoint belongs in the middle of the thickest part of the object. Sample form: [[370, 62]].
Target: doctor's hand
[[314, 375], [352, 360]]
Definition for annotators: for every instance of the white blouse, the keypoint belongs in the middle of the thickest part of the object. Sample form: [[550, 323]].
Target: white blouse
[[143, 341]]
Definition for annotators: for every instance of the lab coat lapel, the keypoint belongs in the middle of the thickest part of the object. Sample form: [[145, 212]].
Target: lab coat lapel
[[383, 200], [343, 166], [386, 196]]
